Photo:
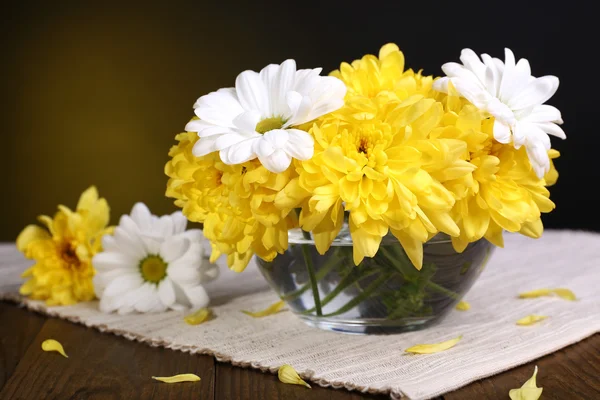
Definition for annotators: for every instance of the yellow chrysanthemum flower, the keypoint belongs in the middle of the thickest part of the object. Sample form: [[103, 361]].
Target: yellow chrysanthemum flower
[[63, 271], [375, 158], [234, 202], [503, 192]]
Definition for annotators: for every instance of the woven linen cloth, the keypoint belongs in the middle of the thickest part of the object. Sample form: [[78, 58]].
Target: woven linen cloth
[[491, 343]]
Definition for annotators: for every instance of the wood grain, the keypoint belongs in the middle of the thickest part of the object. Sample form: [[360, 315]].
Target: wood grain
[[234, 383], [18, 328], [571, 373], [104, 366]]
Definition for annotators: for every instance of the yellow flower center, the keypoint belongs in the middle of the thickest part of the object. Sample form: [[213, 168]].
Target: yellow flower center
[[268, 124], [69, 255], [153, 269]]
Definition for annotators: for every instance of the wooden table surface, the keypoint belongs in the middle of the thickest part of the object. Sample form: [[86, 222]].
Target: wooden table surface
[[105, 366]]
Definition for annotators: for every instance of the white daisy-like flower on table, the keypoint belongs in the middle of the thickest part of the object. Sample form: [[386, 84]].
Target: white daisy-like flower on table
[[509, 93], [258, 117], [152, 264]]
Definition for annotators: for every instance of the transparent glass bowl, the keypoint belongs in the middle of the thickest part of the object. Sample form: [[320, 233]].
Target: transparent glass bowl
[[384, 294]]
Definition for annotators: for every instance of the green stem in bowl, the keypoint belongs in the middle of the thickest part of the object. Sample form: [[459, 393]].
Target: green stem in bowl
[[372, 288], [333, 261], [312, 277], [408, 271], [346, 282]]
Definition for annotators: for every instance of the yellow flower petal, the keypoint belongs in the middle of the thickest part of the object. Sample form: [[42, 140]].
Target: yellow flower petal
[[272, 309], [463, 306], [535, 293], [531, 319], [529, 390], [560, 292], [177, 378], [565, 294], [287, 374], [200, 316], [434, 347], [53, 345]]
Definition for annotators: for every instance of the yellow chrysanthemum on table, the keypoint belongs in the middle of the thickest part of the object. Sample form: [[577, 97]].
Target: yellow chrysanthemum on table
[[503, 192], [376, 158], [234, 202], [63, 271]]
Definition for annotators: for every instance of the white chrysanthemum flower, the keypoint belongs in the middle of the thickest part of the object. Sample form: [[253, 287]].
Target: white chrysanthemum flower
[[256, 118], [152, 264], [508, 92]]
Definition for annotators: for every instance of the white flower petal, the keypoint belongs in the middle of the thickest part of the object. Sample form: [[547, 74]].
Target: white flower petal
[[247, 121], [300, 144], [179, 222], [471, 61], [240, 152], [472, 91], [552, 129], [219, 108], [173, 248], [142, 216], [519, 132], [536, 92], [507, 82], [441, 84], [123, 284], [131, 245], [327, 97], [197, 125], [147, 300], [544, 113], [185, 272], [193, 235], [109, 260], [166, 293], [252, 92], [180, 296], [539, 158], [197, 296], [279, 85], [205, 146], [277, 162], [501, 132]]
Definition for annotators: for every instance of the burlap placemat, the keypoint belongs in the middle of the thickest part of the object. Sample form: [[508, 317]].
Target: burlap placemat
[[492, 342]]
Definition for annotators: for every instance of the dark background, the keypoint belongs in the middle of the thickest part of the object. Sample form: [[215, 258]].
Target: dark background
[[95, 93]]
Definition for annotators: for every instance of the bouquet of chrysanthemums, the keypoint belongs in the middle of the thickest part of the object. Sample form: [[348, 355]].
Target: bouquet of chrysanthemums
[[376, 147]]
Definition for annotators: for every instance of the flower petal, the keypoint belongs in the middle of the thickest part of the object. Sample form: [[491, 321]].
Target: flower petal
[[219, 108], [433, 348], [166, 292], [53, 345], [530, 320], [197, 296], [535, 293], [529, 390], [501, 132], [565, 294], [252, 92], [535, 93], [173, 248], [239, 153], [272, 309], [177, 378], [200, 316], [287, 374], [277, 162], [247, 121], [300, 145], [30, 234], [463, 306]]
